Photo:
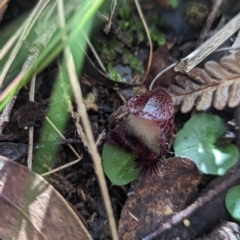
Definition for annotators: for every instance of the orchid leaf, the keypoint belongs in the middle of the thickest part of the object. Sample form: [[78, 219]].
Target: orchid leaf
[[232, 202], [118, 165], [197, 140]]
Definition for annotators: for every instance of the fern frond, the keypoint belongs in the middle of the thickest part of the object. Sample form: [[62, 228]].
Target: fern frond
[[217, 85]]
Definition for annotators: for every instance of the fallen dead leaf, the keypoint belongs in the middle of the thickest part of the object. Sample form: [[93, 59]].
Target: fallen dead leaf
[[29, 114], [206, 211], [158, 197], [30, 208], [160, 61], [13, 150], [225, 230], [3, 7]]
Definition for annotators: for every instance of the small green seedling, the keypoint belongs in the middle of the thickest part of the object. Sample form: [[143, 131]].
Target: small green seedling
[[197, 140], [232, 202], [118, 165]]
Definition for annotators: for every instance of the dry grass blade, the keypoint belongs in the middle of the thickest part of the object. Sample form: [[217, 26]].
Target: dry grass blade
[[71, 70], [25, 31], [217, 85], [148, 36], [31, 129]]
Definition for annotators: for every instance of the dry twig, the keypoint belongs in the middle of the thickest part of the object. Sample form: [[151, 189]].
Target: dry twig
[[61, 168], [112, 8], [209, 21], [209, 46], [215, 193], [31, 129], [148, 36]]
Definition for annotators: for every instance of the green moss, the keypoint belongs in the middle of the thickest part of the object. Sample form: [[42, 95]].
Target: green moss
[[134, 26], [195, 14], [134, 63], [174, 3], [114, 74], [125, 12], [157, 36], [126, 34], [108, 54]]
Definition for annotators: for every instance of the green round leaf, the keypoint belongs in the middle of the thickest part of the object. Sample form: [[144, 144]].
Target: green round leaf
[[197, 140], [232, 202], [118, 165]]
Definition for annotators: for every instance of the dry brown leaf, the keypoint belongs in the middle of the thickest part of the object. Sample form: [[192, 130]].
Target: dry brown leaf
[[160, 61], [3, 7], [30, 208], [224, 230], [204, 213], [217, 85], [13, 150], [158, 197]]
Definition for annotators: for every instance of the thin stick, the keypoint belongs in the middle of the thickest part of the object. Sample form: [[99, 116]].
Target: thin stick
[[10, 42], [112, 7], [60, 134], [209, 46], [209, 21], [236, 44], [92, 146], [237, 119], [17, 80], [230, 179], [95, 53], [160, 74], [31, 129], [86, 124], [61, 168], [148, 36], [227, 49], [5, 115]]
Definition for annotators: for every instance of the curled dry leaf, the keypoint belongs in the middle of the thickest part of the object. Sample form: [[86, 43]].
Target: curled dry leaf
[[158, 197], [30, 208], [3, 7], [30, 114], [225, 230], [13, 150], [217, 85], [160, 61]]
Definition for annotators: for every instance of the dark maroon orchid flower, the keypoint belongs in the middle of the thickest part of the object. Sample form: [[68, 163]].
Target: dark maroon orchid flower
[[147, 131]]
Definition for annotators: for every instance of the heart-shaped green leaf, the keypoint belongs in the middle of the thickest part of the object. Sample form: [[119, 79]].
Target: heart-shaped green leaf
[[232, 202], [197, 140], [118, 165]]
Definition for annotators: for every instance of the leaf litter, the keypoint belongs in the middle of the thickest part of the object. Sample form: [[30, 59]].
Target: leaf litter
[[32, 209]]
